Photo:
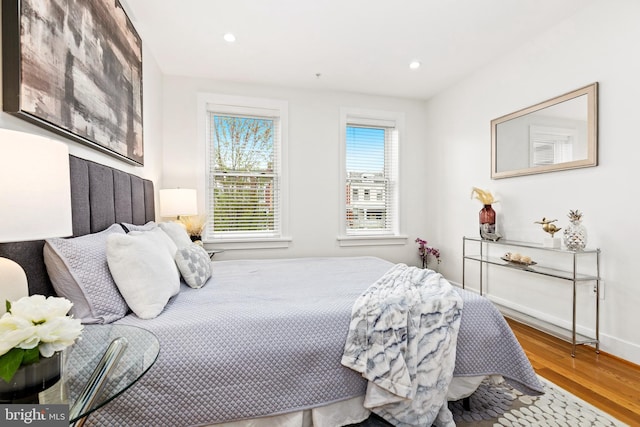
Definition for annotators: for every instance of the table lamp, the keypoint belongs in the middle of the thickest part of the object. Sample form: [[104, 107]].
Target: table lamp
[[178, 202], [35, 199]]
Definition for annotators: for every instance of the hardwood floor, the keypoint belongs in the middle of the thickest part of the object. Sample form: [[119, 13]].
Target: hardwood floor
[[603, 380]]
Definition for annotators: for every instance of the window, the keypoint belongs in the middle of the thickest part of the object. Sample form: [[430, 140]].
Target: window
[[370, 164], [245, 179], [551, 145]]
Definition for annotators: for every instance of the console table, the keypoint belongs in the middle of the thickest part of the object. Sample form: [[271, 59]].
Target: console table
[[570, 274]]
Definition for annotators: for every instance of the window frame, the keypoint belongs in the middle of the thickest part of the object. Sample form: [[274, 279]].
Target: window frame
[[373, 118], [231, 104]]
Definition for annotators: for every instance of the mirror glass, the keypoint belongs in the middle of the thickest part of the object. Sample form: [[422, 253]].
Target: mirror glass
[[557, 134]]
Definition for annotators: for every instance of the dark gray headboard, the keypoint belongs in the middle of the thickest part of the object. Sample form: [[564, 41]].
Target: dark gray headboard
[[100, 196]]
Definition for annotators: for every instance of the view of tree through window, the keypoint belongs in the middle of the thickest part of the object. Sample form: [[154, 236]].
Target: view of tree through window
[[244, 180]]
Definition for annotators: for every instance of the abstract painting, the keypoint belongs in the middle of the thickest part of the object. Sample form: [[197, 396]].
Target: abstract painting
[[75, 67]]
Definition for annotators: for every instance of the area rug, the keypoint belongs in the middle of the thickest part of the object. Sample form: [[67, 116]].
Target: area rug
[[494, 405]]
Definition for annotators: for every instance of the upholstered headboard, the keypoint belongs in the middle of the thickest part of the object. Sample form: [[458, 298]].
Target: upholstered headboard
[[100, 196]]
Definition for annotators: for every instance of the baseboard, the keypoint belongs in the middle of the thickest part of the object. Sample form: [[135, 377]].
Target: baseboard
[[624, 350], [537, 318]]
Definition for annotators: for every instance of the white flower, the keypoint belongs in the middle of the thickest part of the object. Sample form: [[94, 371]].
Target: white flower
[[32, 322], [38, 309], [36, 321], [57, 334], [16, 332]]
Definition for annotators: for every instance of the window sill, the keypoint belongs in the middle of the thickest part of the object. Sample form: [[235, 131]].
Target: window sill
[[238, 244], [347, 241]]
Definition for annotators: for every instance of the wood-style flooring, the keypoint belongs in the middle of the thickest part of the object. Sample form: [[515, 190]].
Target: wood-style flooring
[[603, 380]]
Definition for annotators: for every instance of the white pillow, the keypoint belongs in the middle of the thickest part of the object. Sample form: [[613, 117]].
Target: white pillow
[[194, 264], [177, 232], [143, 268]]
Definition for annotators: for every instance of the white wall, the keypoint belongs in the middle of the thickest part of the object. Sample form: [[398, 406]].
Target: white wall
[[598, 44], [152, 122], [315, 189]]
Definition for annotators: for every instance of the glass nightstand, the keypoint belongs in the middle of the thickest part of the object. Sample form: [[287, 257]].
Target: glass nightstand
[[100, 366]]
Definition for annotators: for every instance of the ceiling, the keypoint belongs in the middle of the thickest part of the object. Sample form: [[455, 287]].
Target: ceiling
[[362, 46]]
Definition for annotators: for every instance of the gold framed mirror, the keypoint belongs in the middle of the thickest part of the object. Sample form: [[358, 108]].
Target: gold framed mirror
[[557, 134]]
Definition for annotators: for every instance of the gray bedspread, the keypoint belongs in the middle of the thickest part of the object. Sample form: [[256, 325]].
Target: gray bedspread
[[267, 336], [487, 346]]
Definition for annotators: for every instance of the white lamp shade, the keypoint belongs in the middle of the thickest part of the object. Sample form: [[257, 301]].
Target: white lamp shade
[[35, 189], [177, 202]]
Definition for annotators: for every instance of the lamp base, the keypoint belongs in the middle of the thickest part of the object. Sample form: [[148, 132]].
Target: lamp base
[[13, 283]]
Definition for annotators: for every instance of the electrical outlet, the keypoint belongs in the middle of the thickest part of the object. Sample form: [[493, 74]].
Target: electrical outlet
[[601, 289]]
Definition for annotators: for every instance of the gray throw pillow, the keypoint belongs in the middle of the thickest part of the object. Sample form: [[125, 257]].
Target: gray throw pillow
[[151, 225], [79, 272], [194, 265]]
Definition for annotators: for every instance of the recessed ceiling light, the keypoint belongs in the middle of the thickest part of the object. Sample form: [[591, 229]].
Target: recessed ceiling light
[[229, 38], [414, 65]]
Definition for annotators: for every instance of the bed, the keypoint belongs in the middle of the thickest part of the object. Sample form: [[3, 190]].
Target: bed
[[261, 342]]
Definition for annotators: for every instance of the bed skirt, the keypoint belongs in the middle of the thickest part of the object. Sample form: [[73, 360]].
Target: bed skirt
[[347, 412]]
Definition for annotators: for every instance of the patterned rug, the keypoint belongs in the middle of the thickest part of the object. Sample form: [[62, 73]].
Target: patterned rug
[[501, 405]]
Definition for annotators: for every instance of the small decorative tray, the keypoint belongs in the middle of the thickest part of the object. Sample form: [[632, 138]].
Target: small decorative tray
[[520, 263]]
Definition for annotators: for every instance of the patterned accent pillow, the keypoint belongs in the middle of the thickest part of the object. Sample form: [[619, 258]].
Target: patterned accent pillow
[[194, 265], [79, 272]]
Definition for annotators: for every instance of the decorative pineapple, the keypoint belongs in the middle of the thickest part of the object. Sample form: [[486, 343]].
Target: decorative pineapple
[[575, 235]]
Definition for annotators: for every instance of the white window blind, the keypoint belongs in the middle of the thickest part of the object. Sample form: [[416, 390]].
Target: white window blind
[[371, 185], [551, 145], [244, 172]]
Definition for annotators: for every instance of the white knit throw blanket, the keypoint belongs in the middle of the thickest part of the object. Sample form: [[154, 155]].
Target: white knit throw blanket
[[402, 339]]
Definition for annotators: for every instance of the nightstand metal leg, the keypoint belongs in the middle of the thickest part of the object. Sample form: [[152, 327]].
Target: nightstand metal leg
[[98, 379]]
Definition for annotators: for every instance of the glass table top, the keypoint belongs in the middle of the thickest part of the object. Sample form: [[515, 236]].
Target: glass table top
[[135, 350]]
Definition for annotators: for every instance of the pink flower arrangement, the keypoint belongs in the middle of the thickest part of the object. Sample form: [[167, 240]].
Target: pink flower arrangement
[[424, 251]]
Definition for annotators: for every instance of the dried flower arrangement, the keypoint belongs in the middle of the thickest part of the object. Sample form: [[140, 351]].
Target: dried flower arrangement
[[485, 197], [194, 225]]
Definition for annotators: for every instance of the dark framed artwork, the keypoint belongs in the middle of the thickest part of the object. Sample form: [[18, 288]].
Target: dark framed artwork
[[75, 67]]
